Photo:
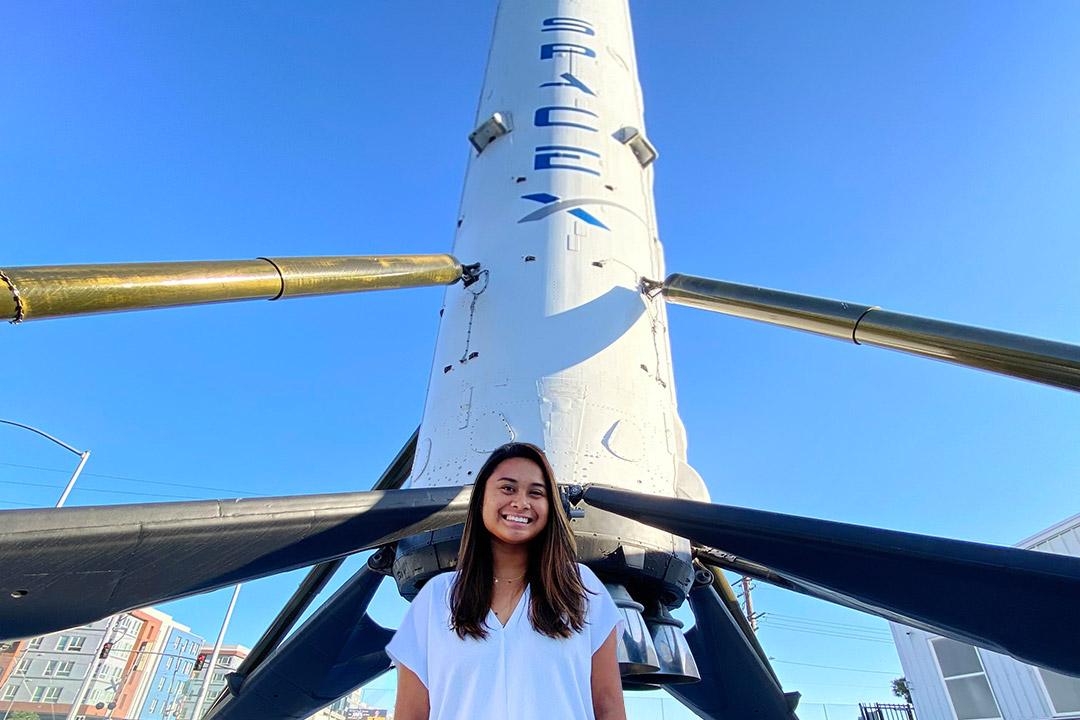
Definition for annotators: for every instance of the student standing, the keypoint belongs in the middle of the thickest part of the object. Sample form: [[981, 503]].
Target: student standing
[[521, 630]]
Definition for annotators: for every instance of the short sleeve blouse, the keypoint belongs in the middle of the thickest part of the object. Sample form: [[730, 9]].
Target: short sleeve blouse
[[514, 672]]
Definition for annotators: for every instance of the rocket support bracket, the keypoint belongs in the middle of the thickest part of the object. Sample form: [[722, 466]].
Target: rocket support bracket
[[470, 274]]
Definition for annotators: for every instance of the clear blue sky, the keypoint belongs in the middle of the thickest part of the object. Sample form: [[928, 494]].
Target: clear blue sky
[[920, 156]]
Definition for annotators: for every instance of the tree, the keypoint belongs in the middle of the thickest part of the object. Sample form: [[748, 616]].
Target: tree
[[901, 690], [24, 715]]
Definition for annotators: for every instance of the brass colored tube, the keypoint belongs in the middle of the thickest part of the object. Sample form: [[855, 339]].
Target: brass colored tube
[[821, 316], [31, 293], [60, 291], [1042, 361], [305, 276], [9, 298]]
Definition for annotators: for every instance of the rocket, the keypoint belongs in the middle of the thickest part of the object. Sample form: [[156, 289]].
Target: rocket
[[553, 331], [561, 341]]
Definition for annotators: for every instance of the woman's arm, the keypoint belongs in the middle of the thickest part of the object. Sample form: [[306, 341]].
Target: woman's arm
[[412, 697], [607, 696]]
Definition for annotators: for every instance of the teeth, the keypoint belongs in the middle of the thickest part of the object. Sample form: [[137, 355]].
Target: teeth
[[517, 519]]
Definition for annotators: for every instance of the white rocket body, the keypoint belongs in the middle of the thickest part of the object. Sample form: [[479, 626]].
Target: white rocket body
[[556, 344]]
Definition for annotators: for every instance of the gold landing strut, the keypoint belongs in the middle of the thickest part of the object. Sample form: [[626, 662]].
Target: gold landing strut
[[1029, 358], [49, 291]]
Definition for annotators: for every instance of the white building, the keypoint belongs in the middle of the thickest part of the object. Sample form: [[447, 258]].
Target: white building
[[229, 659], [51, 670], [953, 681]]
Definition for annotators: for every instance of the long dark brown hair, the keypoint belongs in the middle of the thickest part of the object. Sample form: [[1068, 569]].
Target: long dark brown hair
[[557, 608]]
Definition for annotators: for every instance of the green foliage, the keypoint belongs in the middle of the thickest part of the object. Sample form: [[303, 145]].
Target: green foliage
[[901, 690], [24, 715]]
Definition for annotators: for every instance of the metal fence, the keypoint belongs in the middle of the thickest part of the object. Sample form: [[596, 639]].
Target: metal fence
[[886, 711]]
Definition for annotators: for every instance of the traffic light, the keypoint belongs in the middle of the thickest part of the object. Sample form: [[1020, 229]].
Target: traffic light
[[105, 650], [199, 661]]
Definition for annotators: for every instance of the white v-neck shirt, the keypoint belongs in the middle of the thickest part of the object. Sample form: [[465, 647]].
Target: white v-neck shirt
[[515, 672]]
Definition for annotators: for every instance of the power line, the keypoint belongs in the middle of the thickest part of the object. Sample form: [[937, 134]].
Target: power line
[[774, 626], [828, 633], [813, 684], [836, 631], [110, 492], [136, 480], [12, 502], [834, 635], [834, 667], [816, 621], [827, 626]]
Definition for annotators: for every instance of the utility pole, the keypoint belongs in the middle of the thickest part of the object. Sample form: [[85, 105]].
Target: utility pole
[[748, 604], [10, 704], [84, 455], [118, 693], [205, 689], [95, 662]]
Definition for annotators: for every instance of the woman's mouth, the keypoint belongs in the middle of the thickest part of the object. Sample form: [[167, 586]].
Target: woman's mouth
[[517, 519]]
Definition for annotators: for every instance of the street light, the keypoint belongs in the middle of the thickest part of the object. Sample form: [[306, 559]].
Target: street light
[[205, 689], [82, 457]]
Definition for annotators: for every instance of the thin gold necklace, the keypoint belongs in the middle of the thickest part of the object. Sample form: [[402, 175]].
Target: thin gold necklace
[[509, 580]]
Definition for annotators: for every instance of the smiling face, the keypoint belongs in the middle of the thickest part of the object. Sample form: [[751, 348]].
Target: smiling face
[[515, 502]]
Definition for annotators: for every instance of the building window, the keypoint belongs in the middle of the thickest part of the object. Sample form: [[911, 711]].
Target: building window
[[35, 643], [38, 695], [71, 643], [153, 706], [965, 680], [219, 677], [9, 692], [161, 683], [1063, 691], [23, 667], [185, 668], [183, 648], [52, 694], [176, 642], [59, 668], [168, 663]]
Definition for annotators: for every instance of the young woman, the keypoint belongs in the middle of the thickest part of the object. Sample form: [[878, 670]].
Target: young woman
[[521, 630]]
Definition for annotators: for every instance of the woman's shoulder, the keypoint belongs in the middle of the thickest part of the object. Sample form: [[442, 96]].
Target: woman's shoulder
[[438, 587], [589, 579]]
